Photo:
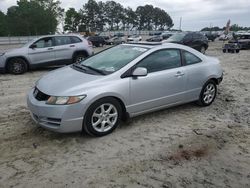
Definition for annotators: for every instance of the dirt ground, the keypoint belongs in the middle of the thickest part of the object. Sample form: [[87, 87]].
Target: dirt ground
[[184, 146]]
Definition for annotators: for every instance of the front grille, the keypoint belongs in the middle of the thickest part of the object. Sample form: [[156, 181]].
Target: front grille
[[40, 96]]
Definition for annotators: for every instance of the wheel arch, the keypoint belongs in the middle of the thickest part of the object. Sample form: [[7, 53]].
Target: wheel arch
[[22, 57], [80, 52], [215, 79], [125, 115]]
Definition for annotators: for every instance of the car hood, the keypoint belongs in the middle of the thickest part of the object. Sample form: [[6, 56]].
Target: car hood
[[67, 81], [16, 51]]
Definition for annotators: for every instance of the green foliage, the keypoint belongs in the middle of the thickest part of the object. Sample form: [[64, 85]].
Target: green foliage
[[234, 27], [212, 29], [3, 24], [72, 20], [113, 16], [38, 17], [33, 17]]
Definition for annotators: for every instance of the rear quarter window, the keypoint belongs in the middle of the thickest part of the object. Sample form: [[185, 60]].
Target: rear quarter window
[[190, 58], [75, 39]]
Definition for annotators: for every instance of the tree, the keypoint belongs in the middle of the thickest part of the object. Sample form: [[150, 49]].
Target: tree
[[153, 18], [101, 16], [3, 24], [34, 17], [131, 18], [72, 20], [90, 15]]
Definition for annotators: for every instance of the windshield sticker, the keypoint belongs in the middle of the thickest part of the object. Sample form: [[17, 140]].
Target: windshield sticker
[[139, 49], [110, 69]]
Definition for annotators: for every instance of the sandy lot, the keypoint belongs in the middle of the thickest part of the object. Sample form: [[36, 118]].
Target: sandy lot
[[184, 146]]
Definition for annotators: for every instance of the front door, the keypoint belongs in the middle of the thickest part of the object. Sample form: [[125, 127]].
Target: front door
[[164, 85], [42, 51]]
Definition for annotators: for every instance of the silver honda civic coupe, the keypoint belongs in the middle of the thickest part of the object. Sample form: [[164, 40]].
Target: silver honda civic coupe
[[123, 81]]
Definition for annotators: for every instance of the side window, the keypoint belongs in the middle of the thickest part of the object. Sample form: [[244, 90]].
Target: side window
[[196, 36], [75, 39], [188, 37], [44, 43], [190, 58], [161, 60], [62, 40]]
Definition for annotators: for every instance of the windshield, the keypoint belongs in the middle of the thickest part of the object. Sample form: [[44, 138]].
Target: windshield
[[30, 42], [176, 37], [113, 59]]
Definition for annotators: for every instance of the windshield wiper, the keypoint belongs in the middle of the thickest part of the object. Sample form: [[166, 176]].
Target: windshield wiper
[[94, 69], [79, 66]]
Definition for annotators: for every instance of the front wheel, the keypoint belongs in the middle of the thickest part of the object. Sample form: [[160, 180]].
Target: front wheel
[[208, 93], [102, 117], [17, 66]]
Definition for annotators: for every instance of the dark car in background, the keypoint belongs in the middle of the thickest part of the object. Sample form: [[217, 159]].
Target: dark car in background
[[192, 39], [211, 36], [157, 38], [97, 41], [243, 40], [166, 35]]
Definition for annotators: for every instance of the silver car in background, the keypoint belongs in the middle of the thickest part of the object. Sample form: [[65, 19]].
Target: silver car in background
[[123, 81], [46, 51]]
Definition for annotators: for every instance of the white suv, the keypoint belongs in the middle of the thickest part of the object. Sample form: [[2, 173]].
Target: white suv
[[46, 51]]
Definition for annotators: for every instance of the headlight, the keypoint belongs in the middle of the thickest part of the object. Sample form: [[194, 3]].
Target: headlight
[[64, 100]]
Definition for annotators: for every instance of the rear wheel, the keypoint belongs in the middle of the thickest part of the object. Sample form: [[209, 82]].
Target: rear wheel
[[102, 117], [203, 49], [17, 66], [208, 93]]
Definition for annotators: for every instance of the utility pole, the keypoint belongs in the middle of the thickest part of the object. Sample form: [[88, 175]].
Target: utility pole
[[180, 23]]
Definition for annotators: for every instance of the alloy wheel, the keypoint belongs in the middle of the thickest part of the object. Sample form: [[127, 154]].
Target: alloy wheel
[[104, 117], [79, 59], [209, 93], [203, 49]]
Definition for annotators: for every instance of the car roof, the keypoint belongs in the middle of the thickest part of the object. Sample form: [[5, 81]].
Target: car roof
[[152, 45], [162, 45], [144, 44], [61, 35]]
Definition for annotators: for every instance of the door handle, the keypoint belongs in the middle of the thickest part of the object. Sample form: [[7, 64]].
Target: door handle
[[178, 74], [50, 48], [72, 46]]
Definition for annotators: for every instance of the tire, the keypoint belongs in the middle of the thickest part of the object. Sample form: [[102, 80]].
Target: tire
[[224, 50], [203, 49], [208, 93], [17, 66], [78, 58], [237, 51], [102, 117]]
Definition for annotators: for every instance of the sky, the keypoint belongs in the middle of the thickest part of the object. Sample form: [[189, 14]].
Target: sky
[[195, 14]]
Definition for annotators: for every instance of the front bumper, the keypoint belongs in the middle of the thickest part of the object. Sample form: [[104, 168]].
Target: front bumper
[[57, 118], [2, 63], [219, 80]]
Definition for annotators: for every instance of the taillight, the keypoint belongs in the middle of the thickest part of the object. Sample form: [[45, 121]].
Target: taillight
[[90, 43]]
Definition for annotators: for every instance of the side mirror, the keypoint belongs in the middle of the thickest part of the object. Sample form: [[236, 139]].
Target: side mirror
[[140, 71], [32, 46]]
